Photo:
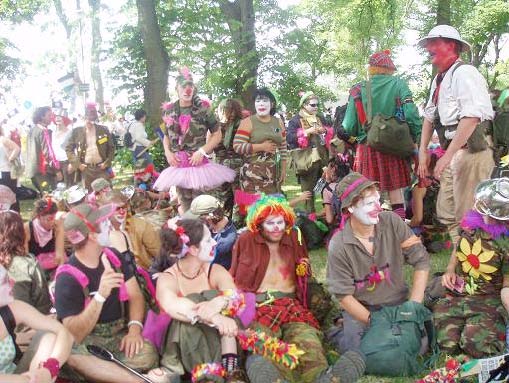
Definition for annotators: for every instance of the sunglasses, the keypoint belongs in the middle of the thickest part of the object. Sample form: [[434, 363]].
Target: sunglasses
[[313, 105]]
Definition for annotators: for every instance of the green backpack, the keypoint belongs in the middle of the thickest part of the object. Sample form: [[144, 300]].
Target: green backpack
[[393, 341]]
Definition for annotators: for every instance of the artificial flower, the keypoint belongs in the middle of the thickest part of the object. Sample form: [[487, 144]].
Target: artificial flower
[[473, 259]]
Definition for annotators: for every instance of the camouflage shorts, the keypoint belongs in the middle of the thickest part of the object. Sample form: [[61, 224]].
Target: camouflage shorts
[[472, 325], [109, 336]]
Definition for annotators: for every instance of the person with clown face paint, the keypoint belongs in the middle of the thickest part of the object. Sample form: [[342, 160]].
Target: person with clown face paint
[[366, 258], [261, 139], [271, 260], [202, 300]]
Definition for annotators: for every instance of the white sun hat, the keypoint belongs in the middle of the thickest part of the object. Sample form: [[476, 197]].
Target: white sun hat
[[446, 32]]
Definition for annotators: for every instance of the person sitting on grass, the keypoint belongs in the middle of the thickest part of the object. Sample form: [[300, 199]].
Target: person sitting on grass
[[270, 260], [48, 352], [113, 318], [366, 258], [44, 236], [471, 319], [201, 298]]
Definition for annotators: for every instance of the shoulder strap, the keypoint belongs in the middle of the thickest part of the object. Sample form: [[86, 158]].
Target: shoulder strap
[[456, 67], [77, 274], [369, 101], [10, 325], [117, 265]]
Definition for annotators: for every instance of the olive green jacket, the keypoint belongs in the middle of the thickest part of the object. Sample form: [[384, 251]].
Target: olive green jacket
[[76, 145]]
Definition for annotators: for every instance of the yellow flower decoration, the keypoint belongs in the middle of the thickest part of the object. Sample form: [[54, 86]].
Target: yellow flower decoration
[[473, 259], [504, 161]]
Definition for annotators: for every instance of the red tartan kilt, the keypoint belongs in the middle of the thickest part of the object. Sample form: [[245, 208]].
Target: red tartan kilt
[[392, 172]]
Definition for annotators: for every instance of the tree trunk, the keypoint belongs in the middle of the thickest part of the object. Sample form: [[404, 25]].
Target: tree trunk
[[156, 58], [444, 12], [96, 53], [241, 22]]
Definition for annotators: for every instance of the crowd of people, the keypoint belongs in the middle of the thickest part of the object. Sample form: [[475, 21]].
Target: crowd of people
[[201, 272]]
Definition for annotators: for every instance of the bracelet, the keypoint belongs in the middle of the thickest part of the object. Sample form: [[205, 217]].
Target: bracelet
[[99, 298], [52, 365], [135, 322]]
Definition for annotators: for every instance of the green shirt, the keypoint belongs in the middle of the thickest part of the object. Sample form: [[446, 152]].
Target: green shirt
[[384, 91]]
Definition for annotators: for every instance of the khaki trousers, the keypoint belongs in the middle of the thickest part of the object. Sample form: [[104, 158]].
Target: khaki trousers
[[457, 186]]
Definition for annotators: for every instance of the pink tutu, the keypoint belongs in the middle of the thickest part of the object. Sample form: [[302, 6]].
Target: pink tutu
[[206, 176]]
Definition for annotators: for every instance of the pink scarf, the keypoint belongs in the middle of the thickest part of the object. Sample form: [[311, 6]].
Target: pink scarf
[[42, 236], [52, 159]]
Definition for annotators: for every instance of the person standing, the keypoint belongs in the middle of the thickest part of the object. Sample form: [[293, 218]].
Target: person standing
[[139, 137], [90, 148], [459, 103], [59, 136], [42, 165], [188, 122], [389, 94], [306, 142], [9, 151]]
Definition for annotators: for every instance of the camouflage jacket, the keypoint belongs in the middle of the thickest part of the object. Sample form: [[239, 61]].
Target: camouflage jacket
[[187, 127]]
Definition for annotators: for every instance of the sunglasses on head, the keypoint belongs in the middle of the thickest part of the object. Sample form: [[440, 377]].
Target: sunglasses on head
[[313, 105]]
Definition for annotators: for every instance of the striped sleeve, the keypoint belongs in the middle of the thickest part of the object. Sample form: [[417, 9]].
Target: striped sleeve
[[241, 143], [283, 149]]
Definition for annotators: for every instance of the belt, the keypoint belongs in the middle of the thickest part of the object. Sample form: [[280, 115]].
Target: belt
[[270, 296], [93, 165]]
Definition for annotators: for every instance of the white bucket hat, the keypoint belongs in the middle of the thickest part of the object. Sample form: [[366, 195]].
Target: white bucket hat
[[446, 32]]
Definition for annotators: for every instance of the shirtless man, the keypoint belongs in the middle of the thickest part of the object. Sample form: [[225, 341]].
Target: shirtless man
[[271, 261]]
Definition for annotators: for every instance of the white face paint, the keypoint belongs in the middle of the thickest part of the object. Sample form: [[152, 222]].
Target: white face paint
[[207, 247], [367, 209], [103, 238], [5, 288], [262, 106], [185, 93], [274, 227]]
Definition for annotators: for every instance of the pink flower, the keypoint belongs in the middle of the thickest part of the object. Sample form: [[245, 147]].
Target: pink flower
[[205, 102], [166, 105], [168, 120], [184, 122], [302, 139]]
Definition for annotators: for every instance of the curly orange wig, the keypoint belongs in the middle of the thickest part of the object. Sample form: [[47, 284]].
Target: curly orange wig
[[267, 206]]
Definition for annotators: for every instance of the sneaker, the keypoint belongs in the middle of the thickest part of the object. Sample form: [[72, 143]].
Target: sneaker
[[162, 375]]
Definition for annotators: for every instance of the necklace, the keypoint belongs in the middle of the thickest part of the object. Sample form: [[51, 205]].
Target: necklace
[[187, 276]]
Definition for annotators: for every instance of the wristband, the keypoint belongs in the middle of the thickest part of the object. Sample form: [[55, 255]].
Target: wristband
[[203, 152], [99, 298], [135, 322], [52, 365]]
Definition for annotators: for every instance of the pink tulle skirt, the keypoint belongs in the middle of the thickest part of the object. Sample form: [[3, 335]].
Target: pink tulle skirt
[[206, 176]]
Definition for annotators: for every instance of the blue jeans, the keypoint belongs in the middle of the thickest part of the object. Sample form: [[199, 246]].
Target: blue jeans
[[146, 156]]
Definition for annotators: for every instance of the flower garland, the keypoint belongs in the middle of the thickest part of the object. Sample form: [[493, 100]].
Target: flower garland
[[236, 302], [207, 370], [270, 347], [447, 374]]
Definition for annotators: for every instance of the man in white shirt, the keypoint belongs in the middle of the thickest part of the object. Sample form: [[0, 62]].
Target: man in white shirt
[[459, 108], [139, 136]]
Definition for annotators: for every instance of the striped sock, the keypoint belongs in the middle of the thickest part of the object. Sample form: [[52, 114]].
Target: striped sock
[[399, 209]]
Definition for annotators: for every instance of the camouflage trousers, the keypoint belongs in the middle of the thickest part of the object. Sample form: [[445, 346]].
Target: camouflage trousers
[[306, 338], [259, 177], [472, 325], [109, 336]]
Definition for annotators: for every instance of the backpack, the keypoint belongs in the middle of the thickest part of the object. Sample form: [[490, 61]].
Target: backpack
[[128, 137], [82, 279], [393, 341], [501, 134]]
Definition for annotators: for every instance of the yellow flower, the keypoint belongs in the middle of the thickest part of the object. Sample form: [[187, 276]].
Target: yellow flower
[[504, 161], [473, 259]]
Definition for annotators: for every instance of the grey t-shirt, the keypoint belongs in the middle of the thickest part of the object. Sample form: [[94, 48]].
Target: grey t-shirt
[[374, 279]]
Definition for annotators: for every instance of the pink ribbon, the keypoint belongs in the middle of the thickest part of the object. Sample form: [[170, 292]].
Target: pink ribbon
[[53, 160]]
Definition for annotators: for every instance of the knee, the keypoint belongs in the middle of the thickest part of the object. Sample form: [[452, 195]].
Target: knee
[[146, 359]]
